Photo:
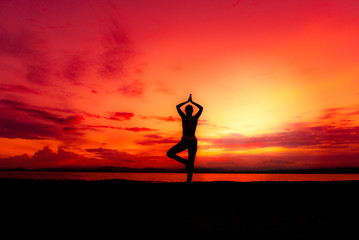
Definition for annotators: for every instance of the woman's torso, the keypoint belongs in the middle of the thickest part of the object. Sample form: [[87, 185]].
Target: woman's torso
[[189, 125]]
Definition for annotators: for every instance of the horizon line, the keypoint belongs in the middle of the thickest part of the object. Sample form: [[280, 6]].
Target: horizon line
[[169, 170]]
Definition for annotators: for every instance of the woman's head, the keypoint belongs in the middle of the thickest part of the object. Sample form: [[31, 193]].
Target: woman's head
[[189, 110]]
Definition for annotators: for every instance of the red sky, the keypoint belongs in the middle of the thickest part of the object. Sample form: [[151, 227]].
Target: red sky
[[95, 83]]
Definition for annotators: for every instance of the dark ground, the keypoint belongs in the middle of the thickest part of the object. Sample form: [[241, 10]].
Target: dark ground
[[115, 208]]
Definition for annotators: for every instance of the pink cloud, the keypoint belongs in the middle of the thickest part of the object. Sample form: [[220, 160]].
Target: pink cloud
[[37, 73], [44, 158], [120, 116], [153, 139], [117, 50], [30, 122], [28, 49], [339, 133], [13, 128], [134, 88], [44, 63], [17, 89], [168, 119], [102, 126], [21, 43], [74, 69], [139, 129], [39, 113], [112, 154], [308, 137], [131, 129]]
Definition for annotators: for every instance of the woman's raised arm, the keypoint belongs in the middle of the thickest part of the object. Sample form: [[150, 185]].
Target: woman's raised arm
[[179, 108], [199, 107]]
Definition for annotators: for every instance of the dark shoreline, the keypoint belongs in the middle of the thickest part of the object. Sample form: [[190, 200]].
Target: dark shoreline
[[198, 170], [252, 210]]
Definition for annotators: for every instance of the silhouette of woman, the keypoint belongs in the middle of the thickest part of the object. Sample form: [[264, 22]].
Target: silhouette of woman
[[188, 140]]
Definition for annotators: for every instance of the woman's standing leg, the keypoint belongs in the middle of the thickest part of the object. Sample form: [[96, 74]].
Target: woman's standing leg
[[192, 150]]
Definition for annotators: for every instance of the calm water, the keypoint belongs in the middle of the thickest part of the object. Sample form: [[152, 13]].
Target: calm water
[[177, 177]]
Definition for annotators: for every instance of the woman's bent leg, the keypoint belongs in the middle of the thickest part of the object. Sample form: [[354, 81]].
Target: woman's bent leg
[[172, 153]]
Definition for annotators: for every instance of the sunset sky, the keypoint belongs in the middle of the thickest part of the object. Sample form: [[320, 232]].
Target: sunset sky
[[95, 83]]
